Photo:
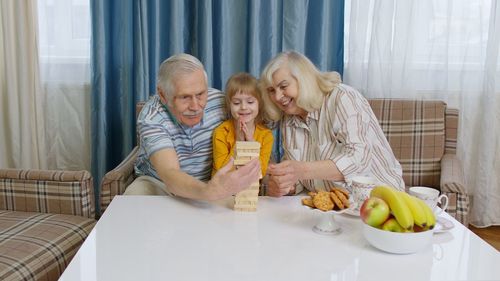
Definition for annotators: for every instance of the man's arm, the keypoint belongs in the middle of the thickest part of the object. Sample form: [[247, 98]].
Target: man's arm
[[223, 184]]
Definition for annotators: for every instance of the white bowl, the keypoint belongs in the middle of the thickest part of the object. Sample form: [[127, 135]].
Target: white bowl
[[395, 242]]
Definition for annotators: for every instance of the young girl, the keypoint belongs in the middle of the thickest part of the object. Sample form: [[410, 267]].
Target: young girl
[[244, 102]]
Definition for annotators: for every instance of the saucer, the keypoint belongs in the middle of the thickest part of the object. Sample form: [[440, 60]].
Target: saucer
[[353, 211], [443, 225]]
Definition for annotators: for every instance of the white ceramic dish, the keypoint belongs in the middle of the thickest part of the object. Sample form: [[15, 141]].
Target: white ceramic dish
[[397, 243], [443, 225], [326, 223], [353, 210]]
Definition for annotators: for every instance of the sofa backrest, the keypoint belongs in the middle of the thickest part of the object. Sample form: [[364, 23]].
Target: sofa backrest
[[47, 191], [417, 133]]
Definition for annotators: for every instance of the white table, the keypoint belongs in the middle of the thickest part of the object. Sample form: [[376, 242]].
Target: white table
[[166, 238]]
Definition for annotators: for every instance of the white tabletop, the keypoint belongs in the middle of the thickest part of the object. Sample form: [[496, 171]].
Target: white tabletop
[[167, 238]]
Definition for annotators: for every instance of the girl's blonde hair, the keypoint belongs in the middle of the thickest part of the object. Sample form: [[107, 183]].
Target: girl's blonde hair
[[313, 85], [244, 83]]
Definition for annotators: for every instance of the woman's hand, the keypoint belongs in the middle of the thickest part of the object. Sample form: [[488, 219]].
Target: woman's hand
[[283, 177], [275, 190]]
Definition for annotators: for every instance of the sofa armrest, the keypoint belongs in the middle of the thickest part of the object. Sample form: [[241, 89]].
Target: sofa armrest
[[116, 181], [453, 185], [47, 191]]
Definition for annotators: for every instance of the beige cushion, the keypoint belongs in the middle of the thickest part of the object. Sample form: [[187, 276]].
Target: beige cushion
[[416, 132]]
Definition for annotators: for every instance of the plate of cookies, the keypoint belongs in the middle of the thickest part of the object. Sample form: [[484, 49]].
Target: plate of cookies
[[336, 200], [328, 204]]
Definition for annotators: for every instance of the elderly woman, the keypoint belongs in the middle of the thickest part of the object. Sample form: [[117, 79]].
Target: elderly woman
[[330, 133]]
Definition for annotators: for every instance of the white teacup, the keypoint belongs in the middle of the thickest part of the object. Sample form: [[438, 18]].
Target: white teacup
[[431, 197], [361, 187]]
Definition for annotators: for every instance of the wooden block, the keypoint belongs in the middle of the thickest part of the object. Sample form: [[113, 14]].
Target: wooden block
[[247, 149], [243, 200], [245, 203], [247, 145], [248, 194], [246, 155], [246, 200], [248, 158], [245, 209], [238, 162]]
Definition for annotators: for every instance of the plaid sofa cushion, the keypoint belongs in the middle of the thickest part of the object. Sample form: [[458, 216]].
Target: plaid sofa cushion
[[39, 246], [415, 130], [45, 191]]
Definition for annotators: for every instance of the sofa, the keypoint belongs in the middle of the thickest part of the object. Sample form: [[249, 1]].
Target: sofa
[[422, 135], [44, 218]]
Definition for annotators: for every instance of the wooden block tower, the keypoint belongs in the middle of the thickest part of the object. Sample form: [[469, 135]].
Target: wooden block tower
[[246, 200]]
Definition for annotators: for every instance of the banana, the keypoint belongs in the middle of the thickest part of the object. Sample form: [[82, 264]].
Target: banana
[[419, 215], [431, 218], [397, 205]]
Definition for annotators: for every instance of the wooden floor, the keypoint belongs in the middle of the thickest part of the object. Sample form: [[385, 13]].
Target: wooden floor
[[489, 234]]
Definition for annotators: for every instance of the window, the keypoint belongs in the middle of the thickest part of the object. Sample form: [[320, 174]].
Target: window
[[64, 41]]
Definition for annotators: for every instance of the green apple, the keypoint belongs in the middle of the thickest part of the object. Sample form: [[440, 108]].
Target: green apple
[[374, 211], [392, 225]]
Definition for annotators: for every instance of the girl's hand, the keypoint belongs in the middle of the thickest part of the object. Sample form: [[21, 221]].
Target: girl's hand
[[247, 135], [240, 135]]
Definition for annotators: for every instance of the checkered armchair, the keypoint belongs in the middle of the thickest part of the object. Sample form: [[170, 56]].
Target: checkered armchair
[[44, 218], [116, 181], [423, 137]]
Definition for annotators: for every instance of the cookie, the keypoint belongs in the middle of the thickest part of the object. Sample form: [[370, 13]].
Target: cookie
[[336, 200], [342, 198], [308, 202], [344, 191], [322, 201]]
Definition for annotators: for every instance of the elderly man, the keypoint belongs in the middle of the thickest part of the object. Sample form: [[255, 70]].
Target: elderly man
[[175, 129]]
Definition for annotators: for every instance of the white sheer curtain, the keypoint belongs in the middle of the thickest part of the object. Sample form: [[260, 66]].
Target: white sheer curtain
[[45, 84], [64, 44], [22, 126], [436, 49]]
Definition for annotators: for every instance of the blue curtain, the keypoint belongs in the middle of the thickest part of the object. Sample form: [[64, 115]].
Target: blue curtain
[[130, 38]]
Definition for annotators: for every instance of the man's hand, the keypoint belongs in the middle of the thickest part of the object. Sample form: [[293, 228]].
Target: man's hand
[[226, 182], [282, 177]]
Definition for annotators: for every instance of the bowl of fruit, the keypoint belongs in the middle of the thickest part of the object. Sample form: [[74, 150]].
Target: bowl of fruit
[[396, 222]]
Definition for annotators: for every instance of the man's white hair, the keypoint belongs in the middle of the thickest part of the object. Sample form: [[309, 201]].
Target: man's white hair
[[171, 68]]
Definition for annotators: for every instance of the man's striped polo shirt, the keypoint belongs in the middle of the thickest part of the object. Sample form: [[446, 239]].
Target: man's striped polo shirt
[[158, 129]]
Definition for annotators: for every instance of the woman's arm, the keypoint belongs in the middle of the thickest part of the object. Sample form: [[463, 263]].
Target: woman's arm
[[289, 172]]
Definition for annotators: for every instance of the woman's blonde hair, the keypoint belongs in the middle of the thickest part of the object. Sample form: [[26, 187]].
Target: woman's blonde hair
[[313, 84], [244, 83]]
